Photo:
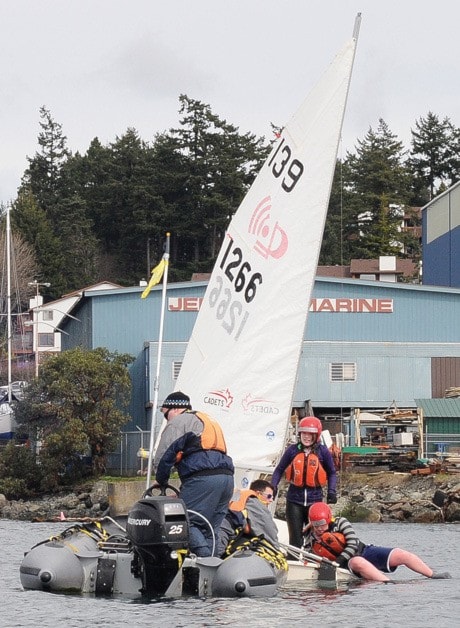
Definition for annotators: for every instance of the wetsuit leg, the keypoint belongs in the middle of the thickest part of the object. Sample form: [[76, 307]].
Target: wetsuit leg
[[296, 517]]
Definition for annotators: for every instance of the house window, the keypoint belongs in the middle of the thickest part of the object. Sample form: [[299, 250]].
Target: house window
[[46, 340], [176, 368], [47, 315], [342, 372]]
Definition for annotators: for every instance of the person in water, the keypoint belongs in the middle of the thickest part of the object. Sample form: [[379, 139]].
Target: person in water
[[248, 516], [335, 539], [194, 443], [309, 467]]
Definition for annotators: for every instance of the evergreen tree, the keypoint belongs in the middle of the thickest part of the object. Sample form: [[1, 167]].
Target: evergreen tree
[[434, 158], [42, 177], [67, 252], [117, 184], [218, 166], [35, 227], [338, 236], [380, 182]]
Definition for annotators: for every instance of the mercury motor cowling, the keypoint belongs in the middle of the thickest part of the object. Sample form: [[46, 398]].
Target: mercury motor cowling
[[158, 529]]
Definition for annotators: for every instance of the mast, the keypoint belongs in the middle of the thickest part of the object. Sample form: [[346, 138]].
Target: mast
[[156, 384], [8, 299]]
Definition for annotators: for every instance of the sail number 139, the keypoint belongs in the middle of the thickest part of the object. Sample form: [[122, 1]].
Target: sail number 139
[[282, 165]]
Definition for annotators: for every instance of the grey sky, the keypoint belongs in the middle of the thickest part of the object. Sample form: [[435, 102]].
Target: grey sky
[[101, 66]]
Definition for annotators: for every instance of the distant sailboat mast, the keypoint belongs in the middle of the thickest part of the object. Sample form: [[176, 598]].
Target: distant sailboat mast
[[8, 299]]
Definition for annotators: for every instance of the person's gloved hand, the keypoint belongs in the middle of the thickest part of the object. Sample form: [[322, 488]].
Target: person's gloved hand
[[331, 498]]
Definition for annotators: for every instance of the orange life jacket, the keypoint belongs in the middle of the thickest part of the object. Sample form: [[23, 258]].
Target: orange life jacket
[[306, 470], [336, 455], [239, 499], [330, 545], [211, 437], [238, 504]]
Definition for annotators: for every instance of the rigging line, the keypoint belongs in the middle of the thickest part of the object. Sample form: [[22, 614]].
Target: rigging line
[[342, 264]]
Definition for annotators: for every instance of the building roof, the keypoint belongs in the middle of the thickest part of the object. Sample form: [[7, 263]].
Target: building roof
[[435, 199], [334, 271], [201, 277], [439, 408], [404, 268]]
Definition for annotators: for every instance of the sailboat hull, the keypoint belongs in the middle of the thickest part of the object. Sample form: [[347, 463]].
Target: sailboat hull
[[311, 573]]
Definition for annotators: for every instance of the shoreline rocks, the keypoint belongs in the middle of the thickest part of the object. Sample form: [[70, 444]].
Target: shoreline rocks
[[388, 496], [85, 502], [383, 496]]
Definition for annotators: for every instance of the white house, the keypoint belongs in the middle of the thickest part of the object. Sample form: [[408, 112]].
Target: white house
[[46, 318]]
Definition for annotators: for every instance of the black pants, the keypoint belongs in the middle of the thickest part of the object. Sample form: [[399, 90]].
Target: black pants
[[296, 519]]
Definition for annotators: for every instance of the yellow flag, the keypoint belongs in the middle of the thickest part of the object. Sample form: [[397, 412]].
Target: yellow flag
[[157, 274]]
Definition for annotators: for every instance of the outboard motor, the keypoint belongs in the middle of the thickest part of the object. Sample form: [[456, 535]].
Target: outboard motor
[[158, 528]]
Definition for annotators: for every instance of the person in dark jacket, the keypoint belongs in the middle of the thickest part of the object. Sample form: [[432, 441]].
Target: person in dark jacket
[[334, 538], [309, 467], [248, 516], [195, 445]]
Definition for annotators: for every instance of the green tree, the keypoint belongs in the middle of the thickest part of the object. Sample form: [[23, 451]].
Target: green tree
[[380, 181], [434, 157], [76, 407], [20, 476], [117, 186], [133, 203], [43, 176], [218, 166], [104, 214], [36, 228], [338, 236], [50, 184]]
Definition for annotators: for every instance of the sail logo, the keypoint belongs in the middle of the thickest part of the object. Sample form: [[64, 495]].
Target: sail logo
[[219, 399], [272, 240], [258, 406]]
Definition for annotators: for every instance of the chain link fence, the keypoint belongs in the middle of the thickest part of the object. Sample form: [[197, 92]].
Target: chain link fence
[[126, 461]]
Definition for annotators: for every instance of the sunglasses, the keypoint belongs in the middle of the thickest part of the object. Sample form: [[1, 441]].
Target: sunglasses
[[267, 495]]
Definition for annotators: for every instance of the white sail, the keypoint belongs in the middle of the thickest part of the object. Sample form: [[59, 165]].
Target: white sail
[[241, 361]]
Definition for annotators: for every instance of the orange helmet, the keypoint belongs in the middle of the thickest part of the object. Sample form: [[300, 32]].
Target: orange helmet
[[319, 514], [310, 424]]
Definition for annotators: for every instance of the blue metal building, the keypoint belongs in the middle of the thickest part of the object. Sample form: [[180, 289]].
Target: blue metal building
[[441, 239], [367, 344]]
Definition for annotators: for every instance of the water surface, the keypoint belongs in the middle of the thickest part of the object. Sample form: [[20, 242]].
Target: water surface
[[410, 600]]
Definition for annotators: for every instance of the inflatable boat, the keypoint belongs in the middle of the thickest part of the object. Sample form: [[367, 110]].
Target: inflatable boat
[[147, 554]]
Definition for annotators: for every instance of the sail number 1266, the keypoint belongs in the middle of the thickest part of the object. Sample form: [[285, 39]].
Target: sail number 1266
[[228, 307], [239, 272]]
